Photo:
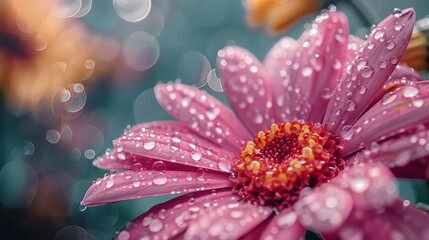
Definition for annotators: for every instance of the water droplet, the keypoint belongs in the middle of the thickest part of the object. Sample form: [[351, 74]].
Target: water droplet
[[160, 180], [156, 225], [382, 64], [82, 208], [337, 64], [351, 105], [136, 183], [366, 72], [410, 91], [397, 12], [149, 144], [394, 60], [224, 165], [196, 155], [109, 183], [347, 132], [287, 219], [398, 27], [370, 45], [390, 45], [388, 98], [359, 184], [316, 62], [159, 166], [418, 103], [124, 235], [327, 93], [378, 34], [362, 90], [307, 71]]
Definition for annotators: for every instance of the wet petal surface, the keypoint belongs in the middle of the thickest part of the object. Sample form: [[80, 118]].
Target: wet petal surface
[[202, 113], [370, 70], [247, 87], [172, 142], [137, 184]]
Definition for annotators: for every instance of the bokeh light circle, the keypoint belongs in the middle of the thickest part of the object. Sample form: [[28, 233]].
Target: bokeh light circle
[[72, 233], [132, 10], [18, 184], [141, 51]]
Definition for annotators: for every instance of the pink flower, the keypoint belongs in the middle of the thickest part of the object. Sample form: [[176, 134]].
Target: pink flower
[[363, 113]]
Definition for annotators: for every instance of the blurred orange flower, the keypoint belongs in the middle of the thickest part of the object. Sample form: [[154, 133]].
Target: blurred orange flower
[[417, 53], [277, 15], [40, 52]]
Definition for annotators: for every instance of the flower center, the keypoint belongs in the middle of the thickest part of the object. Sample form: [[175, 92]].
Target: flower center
[[281, 161]]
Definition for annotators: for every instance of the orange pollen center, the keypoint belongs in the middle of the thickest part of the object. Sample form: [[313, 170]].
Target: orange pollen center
[[281, 161]]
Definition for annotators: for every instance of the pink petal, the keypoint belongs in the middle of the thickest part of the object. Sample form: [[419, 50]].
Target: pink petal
[[402, 75], [417, 169], [202, 113], [325, 208], [277, 62], [284, 224], [228, 221], [320, 59], [353, 47], [247, 87], [399, 110], [400, 220], [303, 80], [172, 142], [399, 150], [362, 79], [171, 218], [128, 161], [138, 184], [372, 186]]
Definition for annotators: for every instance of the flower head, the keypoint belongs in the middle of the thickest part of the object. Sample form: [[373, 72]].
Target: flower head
[[315, 128]]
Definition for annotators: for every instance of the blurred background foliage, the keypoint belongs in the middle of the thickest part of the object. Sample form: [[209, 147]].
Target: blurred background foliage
[[45, 158]]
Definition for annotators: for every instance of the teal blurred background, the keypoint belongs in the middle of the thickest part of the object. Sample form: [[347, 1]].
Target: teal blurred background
[[43, 176]]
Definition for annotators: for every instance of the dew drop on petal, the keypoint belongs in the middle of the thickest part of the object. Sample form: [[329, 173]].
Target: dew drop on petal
[[362, 90], [156, 225], [389, 98], [196, 155], [337, 64], [382, 64], [378, 34], [418, 103], [124, 235], [394, 60], [359, 184], [224, 165], [351, 105], [160, 180], [397, 12], [149, 144], [347, 132], [390, 45], [366, 72], [109, 183], [159, 166], [306, 71], [410, 91]]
